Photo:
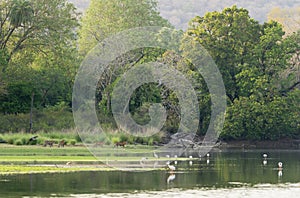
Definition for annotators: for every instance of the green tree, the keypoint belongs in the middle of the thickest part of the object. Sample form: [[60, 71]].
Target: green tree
[[28, 25], [105, 18], [252, 59], [21, 13], [229, 36], [38, 52]]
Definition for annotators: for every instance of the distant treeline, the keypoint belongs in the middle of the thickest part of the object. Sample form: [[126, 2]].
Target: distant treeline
[[180, 12]]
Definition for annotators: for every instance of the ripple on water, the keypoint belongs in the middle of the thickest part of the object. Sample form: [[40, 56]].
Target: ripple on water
[[260, 190]]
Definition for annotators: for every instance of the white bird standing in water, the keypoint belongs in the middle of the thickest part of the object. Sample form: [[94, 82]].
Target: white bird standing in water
[[265, 155], [280, 169], [171, 167], [155, 155], [207, 155], [265, 162], [175, 162], [143, 160]]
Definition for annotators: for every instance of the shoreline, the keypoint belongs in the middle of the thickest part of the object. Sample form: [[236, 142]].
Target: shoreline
[[259, 144]]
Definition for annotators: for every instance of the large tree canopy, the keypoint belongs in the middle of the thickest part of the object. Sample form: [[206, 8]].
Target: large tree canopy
[[106, 17], [37, 53], [35, 25], [252, 57], [228, 36]]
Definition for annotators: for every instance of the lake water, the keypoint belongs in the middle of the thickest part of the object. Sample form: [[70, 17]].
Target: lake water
[[223, 174]]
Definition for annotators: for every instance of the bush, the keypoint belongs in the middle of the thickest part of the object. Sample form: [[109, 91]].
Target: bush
[[18, 142], [115, 140], [72, 142], [150, 141], [123, 137], [77, 138], [10, 140]]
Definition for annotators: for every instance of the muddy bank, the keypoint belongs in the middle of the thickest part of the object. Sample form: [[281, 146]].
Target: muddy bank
[[267, 144]]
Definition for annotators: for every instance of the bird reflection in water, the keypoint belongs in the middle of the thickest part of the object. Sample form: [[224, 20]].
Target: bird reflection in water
[[265, 162], [172, 168], [171, 178], [280, 170]]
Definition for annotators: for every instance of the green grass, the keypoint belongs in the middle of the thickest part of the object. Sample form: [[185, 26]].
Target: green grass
[[21, 169], [38, 159]]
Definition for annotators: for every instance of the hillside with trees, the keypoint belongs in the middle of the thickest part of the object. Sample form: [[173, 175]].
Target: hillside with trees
[[180, 12]]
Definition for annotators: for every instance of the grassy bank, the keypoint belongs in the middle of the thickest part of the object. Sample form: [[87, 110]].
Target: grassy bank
[[71, 137], [39, 159]]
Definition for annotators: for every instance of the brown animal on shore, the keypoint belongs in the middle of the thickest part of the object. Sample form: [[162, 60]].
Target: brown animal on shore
[[62, 143], [99, 144], [117, 144], [48, 142]]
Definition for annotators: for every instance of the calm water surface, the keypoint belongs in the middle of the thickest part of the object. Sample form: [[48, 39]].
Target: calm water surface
[[224, 174]]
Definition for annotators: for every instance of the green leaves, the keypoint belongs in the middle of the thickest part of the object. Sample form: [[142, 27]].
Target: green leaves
[[21, 13], [107, 17]]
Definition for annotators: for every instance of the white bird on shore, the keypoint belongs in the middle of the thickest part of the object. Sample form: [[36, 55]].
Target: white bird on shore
[[280, 165], [191, 157], [207, 155], [155, 155]]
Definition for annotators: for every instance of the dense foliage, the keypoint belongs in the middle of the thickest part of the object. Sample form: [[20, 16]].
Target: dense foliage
[[43, 42]]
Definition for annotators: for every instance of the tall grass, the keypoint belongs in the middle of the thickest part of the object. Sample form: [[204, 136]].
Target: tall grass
[[43, 120], [22, 138], [109, 137]]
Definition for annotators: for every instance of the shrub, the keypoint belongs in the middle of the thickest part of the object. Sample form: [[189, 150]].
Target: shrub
[[18, 142], [115, 139], [72, 142], [77, 138], [24, 140], [150, 141], [107, 141], [10, 140], [123, 137]]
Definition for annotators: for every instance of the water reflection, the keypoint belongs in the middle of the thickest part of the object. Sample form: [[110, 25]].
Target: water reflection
[[171, 177], [280, 173], [265, 162], [220, 170]]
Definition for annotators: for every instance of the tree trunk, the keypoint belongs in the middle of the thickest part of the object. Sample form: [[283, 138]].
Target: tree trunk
[[108, 102], [31, 109]]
